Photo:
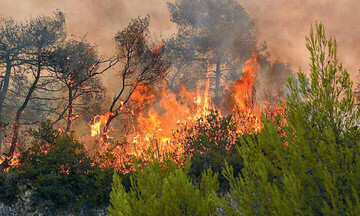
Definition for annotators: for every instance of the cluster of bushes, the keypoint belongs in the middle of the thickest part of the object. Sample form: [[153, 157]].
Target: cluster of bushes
[[311, 167], [58, 170]]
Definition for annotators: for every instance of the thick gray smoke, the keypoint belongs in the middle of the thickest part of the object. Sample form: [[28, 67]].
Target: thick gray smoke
[[282, 24]]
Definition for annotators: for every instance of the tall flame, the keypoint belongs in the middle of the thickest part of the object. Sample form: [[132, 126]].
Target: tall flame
[[244, 87], [247, 115]]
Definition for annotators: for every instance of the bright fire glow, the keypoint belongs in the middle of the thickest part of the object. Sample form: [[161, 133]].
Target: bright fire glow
[[247, 115], [154, 129], [98, 122]]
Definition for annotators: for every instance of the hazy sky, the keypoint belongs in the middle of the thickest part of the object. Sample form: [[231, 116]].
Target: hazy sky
[[283, 24]]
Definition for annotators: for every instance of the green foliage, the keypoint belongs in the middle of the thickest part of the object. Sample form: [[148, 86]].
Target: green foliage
[[324, 102], [9, 189], [162, 188], [315, 168], [98, 186], [215, 162], [211, 133], [210, 142], [60, 171]]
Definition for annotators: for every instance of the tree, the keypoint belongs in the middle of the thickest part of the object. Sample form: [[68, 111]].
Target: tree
[[11, 48], [271, 84], [43, 35], [143, 64], [313, 169], [214, 33], [77, 66], [12, 45]]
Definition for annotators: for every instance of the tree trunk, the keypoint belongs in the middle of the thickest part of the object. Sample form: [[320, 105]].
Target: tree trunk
[[19, 112], [217, 83], [70, 111], [5, 86], [16, 126], [106, 128], [3, 93]]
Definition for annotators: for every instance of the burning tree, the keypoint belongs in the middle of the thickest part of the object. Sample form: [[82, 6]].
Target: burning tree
[[77, 67], [143, 64], [215, 32]]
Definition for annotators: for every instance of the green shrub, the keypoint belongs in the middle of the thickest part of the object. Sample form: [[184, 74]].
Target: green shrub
[[162, 188], [60, 171], [99, 186], [211, 142], [9, 189], [216, 162]]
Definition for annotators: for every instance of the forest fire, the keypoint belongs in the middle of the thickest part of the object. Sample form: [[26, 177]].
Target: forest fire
[[157, 127], [187, 107], [169, 112], [154, 129]]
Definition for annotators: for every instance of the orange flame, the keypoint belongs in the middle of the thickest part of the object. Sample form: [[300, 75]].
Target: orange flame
[[243, 89], [154, 129], [247, 115], [158, 126], [98, 122], [13, 161]]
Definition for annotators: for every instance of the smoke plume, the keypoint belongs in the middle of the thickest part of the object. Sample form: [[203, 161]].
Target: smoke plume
[[282, 24]]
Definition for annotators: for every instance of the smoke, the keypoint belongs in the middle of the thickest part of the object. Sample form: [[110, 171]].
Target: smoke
[[284, 25], [98, 20]]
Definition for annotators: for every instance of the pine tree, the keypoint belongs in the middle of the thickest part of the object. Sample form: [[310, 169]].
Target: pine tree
[[315, 168], [162, 188]]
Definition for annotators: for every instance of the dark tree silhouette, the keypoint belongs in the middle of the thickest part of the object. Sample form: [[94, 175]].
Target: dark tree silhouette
[[143, 64], [42, 36], [77, 66]]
